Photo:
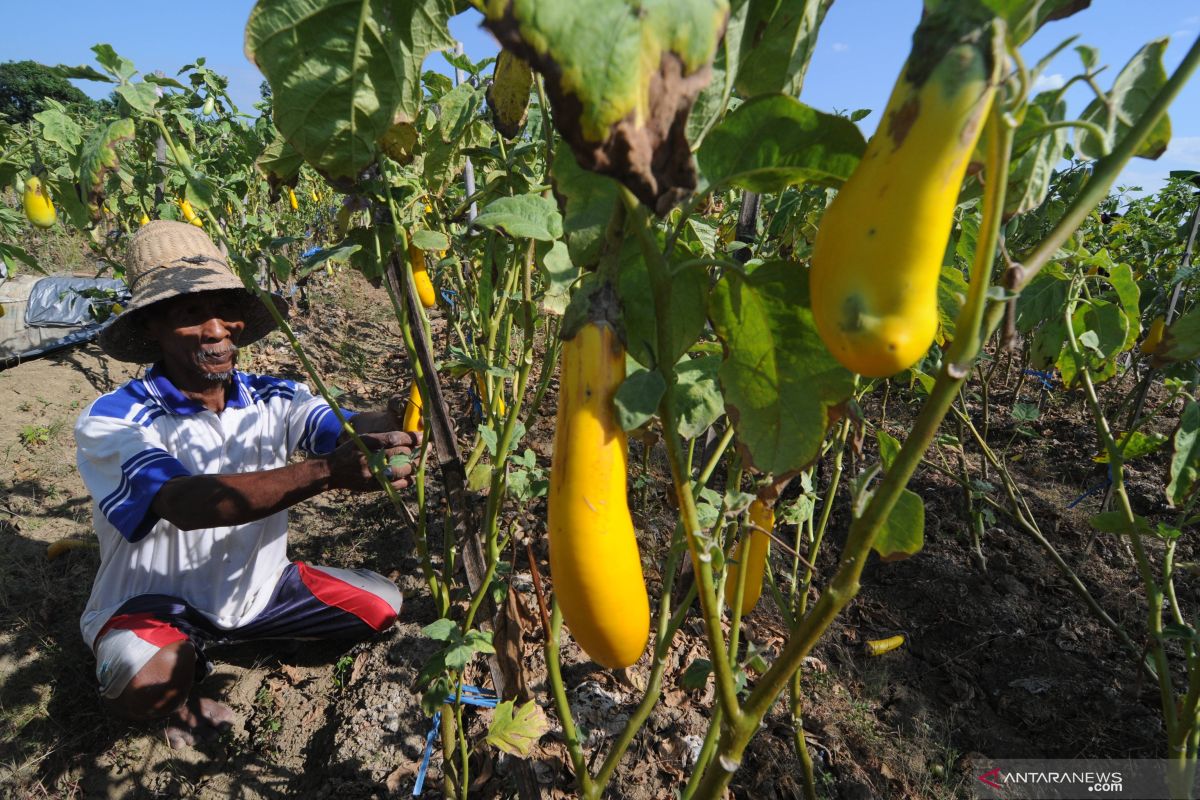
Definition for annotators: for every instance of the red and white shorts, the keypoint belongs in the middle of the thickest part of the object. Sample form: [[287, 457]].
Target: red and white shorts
[[308, 603]]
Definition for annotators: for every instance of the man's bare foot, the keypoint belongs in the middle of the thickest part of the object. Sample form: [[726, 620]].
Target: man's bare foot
[[200, 720]]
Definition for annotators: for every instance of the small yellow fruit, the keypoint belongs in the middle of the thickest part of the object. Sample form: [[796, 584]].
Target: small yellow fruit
[[39, 208], [189, 214], [762, 516], [412, 411]]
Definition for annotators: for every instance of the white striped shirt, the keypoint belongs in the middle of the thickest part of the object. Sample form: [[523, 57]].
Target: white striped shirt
[[133, 440]]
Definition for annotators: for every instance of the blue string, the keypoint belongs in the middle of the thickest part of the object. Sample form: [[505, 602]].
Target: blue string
[[448, 295], [1046, 378], [1104, 484], [468, 695]]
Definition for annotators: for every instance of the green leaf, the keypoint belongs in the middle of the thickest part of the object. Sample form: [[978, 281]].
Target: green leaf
[[526, 216], [440, 630], [772, 142], [697, 394], [776, 54], [1134, 445], [1185, 460], [430, 240], [1025, 412], [689, 289], [1131, 94], [1025, 17], [1036, 153], [889, 448], [343, 72], [99, 156], [1114, 522], [560, 274], [778, 379], [516, 730], [696, 674], [1129, 296], [952, 292], [1047, 344], [59, 129], [279, 161], [636, 400], [903, 533], [1181, 341], [1043, 299], [589, 203], [141, 97], [621, 77]]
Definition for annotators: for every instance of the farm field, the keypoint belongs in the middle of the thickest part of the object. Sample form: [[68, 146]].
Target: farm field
[[762, 455]]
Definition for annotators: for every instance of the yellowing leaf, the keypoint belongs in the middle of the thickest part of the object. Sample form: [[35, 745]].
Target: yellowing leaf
[[517, 730]]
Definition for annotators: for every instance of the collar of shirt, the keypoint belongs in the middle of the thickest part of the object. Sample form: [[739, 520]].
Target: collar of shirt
[[237, 393]]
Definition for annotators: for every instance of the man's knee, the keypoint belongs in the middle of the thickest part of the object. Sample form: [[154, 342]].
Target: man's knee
[[160, 687]]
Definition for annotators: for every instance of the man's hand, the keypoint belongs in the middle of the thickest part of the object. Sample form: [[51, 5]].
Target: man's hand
[[349, 469]]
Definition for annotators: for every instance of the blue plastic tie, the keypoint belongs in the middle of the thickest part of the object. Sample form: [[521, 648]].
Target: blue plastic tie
[[468, 695], [1046, 378], [449, 296], [1104, 484]]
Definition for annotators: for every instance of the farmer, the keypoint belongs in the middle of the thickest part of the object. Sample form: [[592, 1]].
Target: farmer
[[190, 477]]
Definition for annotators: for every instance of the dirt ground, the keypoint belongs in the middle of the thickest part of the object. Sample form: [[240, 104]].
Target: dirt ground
[[1002, 663]]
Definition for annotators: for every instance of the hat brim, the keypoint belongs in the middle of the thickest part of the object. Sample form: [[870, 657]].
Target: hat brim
[[125, 339]]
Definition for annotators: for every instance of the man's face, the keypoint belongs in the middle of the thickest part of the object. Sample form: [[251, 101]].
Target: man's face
[[198, 335]]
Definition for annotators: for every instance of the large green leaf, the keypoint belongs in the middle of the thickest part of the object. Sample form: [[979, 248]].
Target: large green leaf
[[778, 379], [621, 76], [782, 37], [342, 72], [903, 532], [1130, 96], [527, 216], [1043, 299], [59, 129], [697, 395], [516, 729], [98, 157], [689, 290], [775, 141], [1185, 461], [1181, 341], [588, 200], [1025, 17], [717, 96], [1036, 152]]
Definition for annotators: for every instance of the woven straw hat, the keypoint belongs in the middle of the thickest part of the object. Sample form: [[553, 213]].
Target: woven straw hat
[[168, 259]]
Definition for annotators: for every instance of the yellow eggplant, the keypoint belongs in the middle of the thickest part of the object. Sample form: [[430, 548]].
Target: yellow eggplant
[[485, 399], [762, 515], [421, 276], [292, 200], [594, 559], [1153, 339], [189, 214], [879, 248], [39, 208], [412, 411]]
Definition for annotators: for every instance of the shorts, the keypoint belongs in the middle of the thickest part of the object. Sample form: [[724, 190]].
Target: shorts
[[308, 603]]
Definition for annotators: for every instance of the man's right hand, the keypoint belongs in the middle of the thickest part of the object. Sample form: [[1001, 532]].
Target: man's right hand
[[349, 469]]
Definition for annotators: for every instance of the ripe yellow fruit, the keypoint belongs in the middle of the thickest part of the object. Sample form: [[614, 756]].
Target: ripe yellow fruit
[[1153, 340], [878, 253], [421, 276], [412, 411], [189, 214], [594, 559], [39, 208], [762, 515], [145, 220], [292, 200], [481, 387]]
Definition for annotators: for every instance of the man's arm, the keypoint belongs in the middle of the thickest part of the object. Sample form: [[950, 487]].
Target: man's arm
[[217, 501]]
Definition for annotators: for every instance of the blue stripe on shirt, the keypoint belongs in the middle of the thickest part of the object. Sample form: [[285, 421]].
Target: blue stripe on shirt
[[128, 508]]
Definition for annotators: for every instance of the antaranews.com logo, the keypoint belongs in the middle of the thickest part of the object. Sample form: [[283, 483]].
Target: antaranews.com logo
[[1067, 779]]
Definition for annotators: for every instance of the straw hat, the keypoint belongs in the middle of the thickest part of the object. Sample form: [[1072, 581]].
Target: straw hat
[[168, 259]]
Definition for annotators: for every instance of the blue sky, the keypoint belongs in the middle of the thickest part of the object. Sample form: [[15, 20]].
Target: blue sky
[[861, 48]]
